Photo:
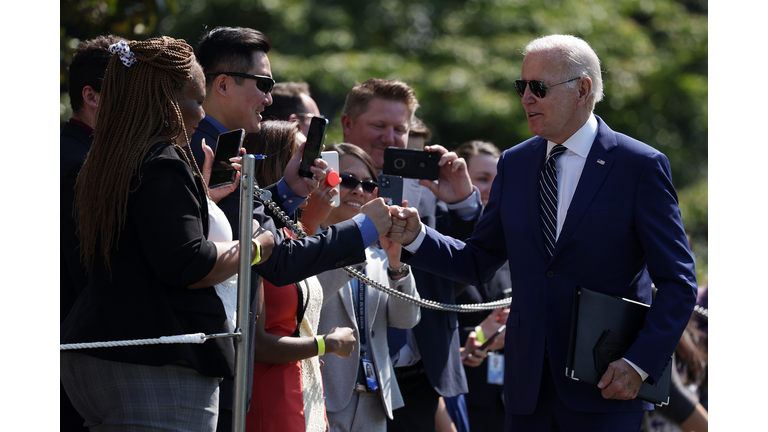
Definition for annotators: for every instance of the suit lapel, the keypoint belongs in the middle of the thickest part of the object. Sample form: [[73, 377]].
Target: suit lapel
[[596, 169], [346, 299], [371, 304]]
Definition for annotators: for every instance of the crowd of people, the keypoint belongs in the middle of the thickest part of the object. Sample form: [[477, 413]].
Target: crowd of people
[[149, 248]]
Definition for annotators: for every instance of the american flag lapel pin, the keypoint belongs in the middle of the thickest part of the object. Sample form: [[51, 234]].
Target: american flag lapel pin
[[601, 162]]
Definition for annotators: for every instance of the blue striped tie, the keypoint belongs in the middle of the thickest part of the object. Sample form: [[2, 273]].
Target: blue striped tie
[[548, 198]]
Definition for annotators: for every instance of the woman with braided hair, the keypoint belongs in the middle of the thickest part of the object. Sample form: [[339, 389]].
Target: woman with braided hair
[[141, 207]]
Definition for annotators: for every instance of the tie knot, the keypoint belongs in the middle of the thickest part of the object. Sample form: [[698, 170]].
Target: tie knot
[[557, 151]]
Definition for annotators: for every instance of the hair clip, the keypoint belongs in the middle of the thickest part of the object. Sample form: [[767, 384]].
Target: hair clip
[[124, 51]]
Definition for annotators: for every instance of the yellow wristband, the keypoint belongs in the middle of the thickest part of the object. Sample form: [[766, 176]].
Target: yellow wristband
[[480, 335], [320, 345], [257, 255]]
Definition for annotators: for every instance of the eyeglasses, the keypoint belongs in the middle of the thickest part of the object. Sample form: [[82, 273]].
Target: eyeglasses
[[351, 182], [263, 83], [537, 87]]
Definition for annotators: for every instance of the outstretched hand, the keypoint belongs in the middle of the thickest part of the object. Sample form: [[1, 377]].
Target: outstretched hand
[[392, 249], [406, 225], [453, 184]]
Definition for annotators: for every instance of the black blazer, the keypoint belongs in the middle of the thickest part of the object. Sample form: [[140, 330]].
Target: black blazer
[[161, 250], [74, 143]]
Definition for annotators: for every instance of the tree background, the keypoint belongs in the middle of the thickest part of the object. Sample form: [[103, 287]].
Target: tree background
[[461, 58]]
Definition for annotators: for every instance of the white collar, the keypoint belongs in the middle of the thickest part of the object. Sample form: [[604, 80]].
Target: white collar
[[580, 142]]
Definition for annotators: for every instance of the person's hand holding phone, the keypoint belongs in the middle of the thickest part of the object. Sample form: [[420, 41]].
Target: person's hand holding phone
[[471, 354], [491, 324], [218, 193], [303, 186], [453, 185]]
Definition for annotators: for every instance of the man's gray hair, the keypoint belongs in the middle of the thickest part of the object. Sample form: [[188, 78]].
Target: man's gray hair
[[581, 58]]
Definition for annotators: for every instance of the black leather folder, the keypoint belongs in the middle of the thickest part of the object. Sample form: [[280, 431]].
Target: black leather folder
[[602, 330]]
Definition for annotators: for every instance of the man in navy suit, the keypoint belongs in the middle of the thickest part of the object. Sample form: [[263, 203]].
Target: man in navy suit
[[427, 361], [618, 230]]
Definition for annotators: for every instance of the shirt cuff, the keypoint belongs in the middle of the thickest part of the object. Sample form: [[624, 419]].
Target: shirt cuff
[[414, 246], [367, 229], [470, 207], [642, 373], [290, 201]]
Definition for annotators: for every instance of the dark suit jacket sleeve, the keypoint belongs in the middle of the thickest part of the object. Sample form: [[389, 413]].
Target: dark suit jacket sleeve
[[293, 260], [670, 265]]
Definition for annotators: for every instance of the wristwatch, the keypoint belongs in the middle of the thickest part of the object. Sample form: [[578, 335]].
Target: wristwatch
[[404, 270]]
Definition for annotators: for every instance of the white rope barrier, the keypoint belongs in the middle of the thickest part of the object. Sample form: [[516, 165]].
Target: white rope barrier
[[196, 338]]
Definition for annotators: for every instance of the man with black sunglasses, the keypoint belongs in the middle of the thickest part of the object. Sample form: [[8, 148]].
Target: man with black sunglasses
[[576, 205], [238, 86]]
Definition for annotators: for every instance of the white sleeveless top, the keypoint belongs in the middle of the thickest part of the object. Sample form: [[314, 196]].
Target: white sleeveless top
[[221, 231]]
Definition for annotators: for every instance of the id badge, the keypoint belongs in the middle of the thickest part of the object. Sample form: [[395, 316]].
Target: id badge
[[370, 375], [495, 368]]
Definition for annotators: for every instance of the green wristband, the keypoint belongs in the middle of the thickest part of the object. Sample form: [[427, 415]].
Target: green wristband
[[257, 255], [320, 345]]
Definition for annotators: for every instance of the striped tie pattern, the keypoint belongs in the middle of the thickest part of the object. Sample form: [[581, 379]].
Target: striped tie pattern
[[548, 198]]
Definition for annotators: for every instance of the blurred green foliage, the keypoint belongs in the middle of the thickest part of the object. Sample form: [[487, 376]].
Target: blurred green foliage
[[462, 58]]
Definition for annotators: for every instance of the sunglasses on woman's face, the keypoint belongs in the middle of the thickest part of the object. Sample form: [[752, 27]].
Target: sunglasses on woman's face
[[537, 87], [263, 83], [351, 182]]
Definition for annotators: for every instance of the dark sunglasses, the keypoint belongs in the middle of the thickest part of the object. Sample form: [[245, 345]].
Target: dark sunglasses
[[537, 87], [351, 182], [263, 83]]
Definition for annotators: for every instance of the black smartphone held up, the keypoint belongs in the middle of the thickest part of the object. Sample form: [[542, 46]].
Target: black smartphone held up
[[492, 337], [314, 145], [227, 146], [391, 189], [411, 163]]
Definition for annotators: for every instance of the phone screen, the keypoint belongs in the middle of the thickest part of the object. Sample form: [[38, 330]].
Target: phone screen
[[227, 146], [314, 145]]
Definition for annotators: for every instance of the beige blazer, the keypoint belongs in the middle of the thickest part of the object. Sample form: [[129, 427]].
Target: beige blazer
[[338, 311]]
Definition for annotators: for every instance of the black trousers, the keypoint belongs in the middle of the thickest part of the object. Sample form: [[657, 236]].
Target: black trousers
[[420, 399]]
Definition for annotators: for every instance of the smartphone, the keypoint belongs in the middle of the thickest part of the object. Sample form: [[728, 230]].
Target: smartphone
[[411, 163], [227, 146], [492, 337], [391, 189], [332, 158], [314, 145]]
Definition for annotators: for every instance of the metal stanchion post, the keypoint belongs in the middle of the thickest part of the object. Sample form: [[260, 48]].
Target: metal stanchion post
[[243, 294]]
